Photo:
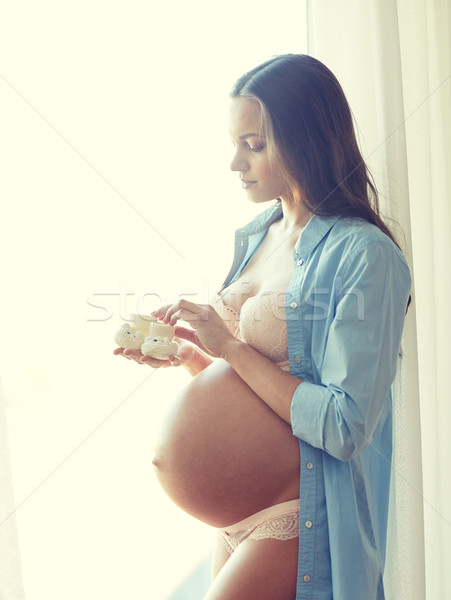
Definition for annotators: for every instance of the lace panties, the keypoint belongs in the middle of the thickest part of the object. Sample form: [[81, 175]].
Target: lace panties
[[279, 522]]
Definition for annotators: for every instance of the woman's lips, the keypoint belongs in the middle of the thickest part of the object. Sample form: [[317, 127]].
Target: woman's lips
[[247, 184]]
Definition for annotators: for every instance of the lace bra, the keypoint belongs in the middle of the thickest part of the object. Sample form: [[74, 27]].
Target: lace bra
[[260, 323]]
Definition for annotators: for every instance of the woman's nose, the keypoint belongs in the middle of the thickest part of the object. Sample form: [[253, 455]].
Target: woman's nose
[[239, 163]]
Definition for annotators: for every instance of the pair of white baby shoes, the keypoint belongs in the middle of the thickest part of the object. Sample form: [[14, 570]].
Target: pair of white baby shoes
[[153, 337]]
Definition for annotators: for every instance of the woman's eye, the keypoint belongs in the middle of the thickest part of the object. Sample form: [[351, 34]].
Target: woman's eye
[[247, 146]]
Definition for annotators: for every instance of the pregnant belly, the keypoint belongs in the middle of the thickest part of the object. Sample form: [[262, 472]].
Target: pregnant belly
[[223, 454]]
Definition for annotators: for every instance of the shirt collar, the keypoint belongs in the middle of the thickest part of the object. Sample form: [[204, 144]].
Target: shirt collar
[[310, 237], [263, 220], [315, 230]]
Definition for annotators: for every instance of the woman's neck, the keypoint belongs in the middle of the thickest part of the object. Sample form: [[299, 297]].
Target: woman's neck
[[295, 216]]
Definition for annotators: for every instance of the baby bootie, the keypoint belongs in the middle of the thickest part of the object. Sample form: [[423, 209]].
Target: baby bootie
[[132, 336], [129, 337], [159, 342]]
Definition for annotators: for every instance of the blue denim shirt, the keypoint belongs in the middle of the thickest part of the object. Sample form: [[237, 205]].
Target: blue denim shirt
[[345, 308]]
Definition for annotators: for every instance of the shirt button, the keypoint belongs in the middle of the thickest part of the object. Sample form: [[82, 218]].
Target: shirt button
[[309, 466], [306, 578], [297, 359], [300, 262], [308, 524], [294, 305]]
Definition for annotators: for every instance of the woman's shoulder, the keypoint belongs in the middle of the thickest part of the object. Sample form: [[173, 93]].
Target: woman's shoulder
[[354, 234], [357, 242], [357, 230]]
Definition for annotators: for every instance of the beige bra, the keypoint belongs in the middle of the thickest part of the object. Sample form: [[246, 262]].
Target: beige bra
[[260, 323]]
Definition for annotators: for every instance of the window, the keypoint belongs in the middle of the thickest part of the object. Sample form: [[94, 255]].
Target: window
[[115, 166]]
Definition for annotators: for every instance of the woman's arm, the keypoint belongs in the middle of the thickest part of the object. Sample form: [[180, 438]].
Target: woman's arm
[[197, 363], [273, 385], [357, 354], [188, 355]]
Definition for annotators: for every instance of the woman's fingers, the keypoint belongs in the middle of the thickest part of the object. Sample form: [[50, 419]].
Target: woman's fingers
[[160, 312], [140, 359], [175, 360], [155, 363], [121, 352], [183, 309], [132, 353], [135, 355], [185, 334]]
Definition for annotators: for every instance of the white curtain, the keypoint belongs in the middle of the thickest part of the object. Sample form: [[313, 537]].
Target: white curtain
[[394, 61]]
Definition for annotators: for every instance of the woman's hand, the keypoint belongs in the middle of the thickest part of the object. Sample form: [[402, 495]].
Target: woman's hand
[[209, 331], [184, 353]]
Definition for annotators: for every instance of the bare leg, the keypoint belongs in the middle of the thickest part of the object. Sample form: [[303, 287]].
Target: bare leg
[[258, 570], [220, 557]]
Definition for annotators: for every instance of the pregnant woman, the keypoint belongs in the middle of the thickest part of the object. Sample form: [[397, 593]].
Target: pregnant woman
[[282, 440]]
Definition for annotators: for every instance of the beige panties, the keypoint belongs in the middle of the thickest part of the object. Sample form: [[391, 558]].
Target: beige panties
[[279, 522]]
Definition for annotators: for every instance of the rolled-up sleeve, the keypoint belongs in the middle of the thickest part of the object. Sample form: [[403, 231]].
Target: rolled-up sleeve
[[356, 354]]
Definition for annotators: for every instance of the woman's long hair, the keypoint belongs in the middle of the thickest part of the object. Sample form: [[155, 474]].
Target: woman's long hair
[[311, 138]]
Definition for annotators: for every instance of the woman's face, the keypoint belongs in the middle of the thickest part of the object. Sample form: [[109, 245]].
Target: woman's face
[[250, 159]]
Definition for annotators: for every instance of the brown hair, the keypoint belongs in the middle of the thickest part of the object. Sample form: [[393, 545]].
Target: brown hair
[[311, 138]]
